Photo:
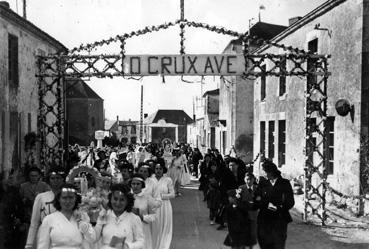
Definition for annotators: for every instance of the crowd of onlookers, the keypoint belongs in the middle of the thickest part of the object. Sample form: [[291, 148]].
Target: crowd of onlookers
[[253, 210], [156, 171]]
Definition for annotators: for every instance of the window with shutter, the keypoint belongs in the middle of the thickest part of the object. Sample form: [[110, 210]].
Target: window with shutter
[[13, 72]]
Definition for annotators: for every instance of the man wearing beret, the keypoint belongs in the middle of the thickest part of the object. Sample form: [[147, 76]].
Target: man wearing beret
[[274, 198]]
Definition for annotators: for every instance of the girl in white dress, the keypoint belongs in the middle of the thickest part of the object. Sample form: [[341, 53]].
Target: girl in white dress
[[67, 227], [176, 169], [119, 227], [144, 207], [43, 205], [162, 227], [146, 171]]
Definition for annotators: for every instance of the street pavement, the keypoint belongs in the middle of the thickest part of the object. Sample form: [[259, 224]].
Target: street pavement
[[192, 229]]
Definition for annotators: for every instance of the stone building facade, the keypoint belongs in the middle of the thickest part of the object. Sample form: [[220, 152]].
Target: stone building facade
[[341, 29], [236, 97], [21, 42], [85, 112]]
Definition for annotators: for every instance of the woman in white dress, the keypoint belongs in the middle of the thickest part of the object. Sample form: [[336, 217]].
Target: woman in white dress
[[176, 169], [162, 227], [144, 207], [118, 227], [43, 205], [146, 171], [67, 227]]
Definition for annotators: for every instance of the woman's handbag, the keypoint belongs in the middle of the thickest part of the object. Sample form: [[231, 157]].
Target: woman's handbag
[[220, 214]]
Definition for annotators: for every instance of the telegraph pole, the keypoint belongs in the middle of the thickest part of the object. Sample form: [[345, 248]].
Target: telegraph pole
[[141, 114]]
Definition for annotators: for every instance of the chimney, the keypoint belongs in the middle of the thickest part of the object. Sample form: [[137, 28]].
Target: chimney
[[117, 118], [292, 20], [4, 4], [24, 9], [146, 115]]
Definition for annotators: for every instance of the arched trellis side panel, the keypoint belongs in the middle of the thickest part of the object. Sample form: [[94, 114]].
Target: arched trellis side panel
[[51, 112], [316, 142]]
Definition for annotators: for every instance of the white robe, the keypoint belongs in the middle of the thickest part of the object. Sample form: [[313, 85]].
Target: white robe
[[162, 227], [57, 231], [42, 207], [147, 206], [149, 189], [176, 169], [127, 225]]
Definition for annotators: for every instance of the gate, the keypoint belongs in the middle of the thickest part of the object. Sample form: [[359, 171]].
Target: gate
[[80, 62]]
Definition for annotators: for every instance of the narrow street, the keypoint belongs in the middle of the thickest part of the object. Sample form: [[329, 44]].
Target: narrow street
[[192, 229]]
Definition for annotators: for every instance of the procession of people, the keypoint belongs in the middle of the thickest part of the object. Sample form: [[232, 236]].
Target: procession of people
[[124, 199]]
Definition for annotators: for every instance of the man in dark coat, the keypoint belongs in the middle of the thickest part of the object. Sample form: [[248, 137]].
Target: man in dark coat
[[274, 198], [196, 157]]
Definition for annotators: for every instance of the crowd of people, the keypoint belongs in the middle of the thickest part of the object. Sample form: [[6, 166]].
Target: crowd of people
[[128, 204], [255, 210]]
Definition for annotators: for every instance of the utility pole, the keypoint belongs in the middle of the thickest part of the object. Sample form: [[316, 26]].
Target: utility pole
[[182, 10], [141, 114], [250, 24]]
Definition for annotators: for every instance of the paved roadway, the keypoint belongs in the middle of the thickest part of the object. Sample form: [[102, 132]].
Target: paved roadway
[[192, 229]]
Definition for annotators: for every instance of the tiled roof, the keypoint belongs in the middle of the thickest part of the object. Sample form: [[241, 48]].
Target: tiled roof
[[77, 88], [108, 124], [262, 30], [211, 92], [127, 122], [266, 30], [170, 116]]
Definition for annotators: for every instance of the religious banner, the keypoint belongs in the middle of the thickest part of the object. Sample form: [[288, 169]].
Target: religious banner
[[204, 64]]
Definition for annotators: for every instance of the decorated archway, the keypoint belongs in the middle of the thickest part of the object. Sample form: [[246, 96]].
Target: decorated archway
[[81, 62]]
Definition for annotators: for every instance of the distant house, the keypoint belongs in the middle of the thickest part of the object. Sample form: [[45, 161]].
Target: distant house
[[20, 43], [162, 124], [85, 112], [125, 131], [211, 117], [108, 124]]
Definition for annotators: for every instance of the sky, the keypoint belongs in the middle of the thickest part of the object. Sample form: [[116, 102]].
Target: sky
[[75, 22]]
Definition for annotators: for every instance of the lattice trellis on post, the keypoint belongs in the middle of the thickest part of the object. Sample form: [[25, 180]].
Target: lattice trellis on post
[[51, 111], [316, 149]]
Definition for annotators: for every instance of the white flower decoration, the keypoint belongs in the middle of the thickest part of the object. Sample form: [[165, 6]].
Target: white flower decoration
[[238, 193]]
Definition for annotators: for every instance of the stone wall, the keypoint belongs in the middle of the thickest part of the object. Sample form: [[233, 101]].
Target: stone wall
[[18, 107], [341, 37]]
